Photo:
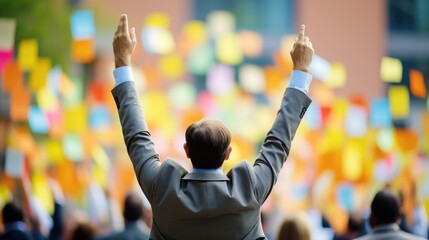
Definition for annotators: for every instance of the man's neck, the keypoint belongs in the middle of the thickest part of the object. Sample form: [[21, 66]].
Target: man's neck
[[202, 170]]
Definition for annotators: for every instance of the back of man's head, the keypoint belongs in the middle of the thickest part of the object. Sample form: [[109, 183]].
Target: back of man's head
[[12, 212], [385, 208], [208, 142], [133, 207]]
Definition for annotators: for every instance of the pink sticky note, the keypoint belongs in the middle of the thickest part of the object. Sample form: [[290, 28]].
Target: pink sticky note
[[5, 57]]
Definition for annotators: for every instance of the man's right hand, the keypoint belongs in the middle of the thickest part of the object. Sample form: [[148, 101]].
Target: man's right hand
[[302, 52], [124, 43]]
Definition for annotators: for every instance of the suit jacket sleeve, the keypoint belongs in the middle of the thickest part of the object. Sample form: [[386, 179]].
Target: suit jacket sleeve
[[138, 140], [277, 144]]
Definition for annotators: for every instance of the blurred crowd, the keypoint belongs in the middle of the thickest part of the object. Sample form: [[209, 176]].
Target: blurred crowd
[[103, 217]]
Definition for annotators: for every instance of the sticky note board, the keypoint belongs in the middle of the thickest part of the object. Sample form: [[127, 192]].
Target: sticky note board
[[72, 147], [82, 24], [37, 120], [337, 78], [83, 50], [320, 68], [201, 59], [7, 29], [220, 79], [251, 43], [399, 102], [417, 84], [220, 23], [391, 70], [380, 113], [5, 57], [157, 19], [12, 77], [39, 74], [228, 49], [28, 54], [252, 78], [14, 166], [19, 104]]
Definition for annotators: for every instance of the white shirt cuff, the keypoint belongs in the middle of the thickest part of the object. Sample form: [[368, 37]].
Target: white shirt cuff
[[300, 80], [122, 74]]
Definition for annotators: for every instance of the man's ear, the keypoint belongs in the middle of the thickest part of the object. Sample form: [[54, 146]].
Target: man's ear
[[228, 152], [185, 146]]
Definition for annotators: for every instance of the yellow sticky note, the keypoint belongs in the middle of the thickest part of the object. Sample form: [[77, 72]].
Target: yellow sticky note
[[157, 19], [54, 149], [76, 118], [391, 70], [399, 102], [46, 99], [42, 191], [195, 32], [27, 54], [417, 84], [352, 164], [171, 66], [338, 75], [39, 74], [155, 102], [228, 49]]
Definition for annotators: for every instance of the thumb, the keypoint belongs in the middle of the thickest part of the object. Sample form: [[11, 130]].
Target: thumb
[[133, 35]]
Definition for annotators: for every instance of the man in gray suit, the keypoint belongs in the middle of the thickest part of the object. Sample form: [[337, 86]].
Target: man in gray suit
[[384, 218], [205, 203]]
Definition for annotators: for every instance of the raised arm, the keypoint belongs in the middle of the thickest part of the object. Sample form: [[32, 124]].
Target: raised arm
[[295, 102], [134, 128]]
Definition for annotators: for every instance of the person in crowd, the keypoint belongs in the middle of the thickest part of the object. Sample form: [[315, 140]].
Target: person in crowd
[[14, 224], [384, 218], [355, 228], [205, 203], [83, 231], [133, 214], [294, 228]]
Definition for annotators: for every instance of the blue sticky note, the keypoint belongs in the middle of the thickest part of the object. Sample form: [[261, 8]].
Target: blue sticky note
[[37, 120], [313, 116], [356, 122], [99, 118], [54, 80], [82, 24], [320, 68], [344, 193], [380, 114], [72, 146]]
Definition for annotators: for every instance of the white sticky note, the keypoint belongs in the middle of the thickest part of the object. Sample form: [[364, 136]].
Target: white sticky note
[[7, 30], [14, 163]]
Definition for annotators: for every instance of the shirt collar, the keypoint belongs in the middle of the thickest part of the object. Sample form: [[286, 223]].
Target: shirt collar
[[201, 170]]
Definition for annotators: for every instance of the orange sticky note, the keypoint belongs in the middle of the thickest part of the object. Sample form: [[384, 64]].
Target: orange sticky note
[[417, 84], [39, 74], [283, 62], [399, 102], [12, 77], [83, 50], [273, 78], [27, 54], [19, 104]]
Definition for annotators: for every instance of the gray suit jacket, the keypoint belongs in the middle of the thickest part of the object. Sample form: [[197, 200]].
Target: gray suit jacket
[[207, 205], [391, 232]]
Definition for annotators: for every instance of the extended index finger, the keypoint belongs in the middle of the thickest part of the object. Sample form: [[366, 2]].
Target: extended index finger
[[301, 33], [124, 25]]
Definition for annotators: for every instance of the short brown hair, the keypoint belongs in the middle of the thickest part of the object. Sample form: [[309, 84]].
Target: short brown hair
[[294, 228], [208, 141]]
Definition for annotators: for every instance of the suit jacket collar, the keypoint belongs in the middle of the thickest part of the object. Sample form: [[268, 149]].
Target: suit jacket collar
[[386, 228], [205, 176]]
